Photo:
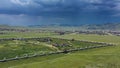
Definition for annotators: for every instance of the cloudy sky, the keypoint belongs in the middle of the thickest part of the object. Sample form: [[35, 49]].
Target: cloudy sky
[[33, 12]]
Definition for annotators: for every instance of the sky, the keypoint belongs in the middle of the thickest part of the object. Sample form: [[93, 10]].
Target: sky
[[37, 12]]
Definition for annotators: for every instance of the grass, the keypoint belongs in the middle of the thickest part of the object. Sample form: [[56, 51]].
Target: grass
[[13, 48], [94, 58], [106, 57], [26, 34], [93, 37], [28, 61], [69, 44]]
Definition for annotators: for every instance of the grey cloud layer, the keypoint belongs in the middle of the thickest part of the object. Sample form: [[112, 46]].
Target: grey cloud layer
[[39, 7], [56, 11]]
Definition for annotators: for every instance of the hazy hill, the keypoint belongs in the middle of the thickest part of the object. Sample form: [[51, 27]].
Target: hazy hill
[[107, 26]]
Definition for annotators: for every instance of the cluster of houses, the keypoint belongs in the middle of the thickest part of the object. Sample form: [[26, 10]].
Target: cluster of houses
[[117, 33], [92, 32], [13, 29], [82, 32]]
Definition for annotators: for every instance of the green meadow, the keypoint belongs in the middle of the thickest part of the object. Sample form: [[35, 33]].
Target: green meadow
[[105, 57]]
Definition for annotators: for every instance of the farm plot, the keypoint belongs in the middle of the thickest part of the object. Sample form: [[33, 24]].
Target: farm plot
[[15, 48], [64, 44], [106, 57]]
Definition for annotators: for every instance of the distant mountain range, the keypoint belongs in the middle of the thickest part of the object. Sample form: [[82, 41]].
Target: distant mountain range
[[107, 26]]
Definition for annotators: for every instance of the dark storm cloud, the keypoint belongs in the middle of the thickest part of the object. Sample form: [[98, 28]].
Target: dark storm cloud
[[60, 10], [58, 7]]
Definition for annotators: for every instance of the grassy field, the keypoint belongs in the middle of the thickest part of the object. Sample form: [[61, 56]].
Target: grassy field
[[106, 57], [26, 34], [95, 58], [92, 37], [13, 48], [19, 48]]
